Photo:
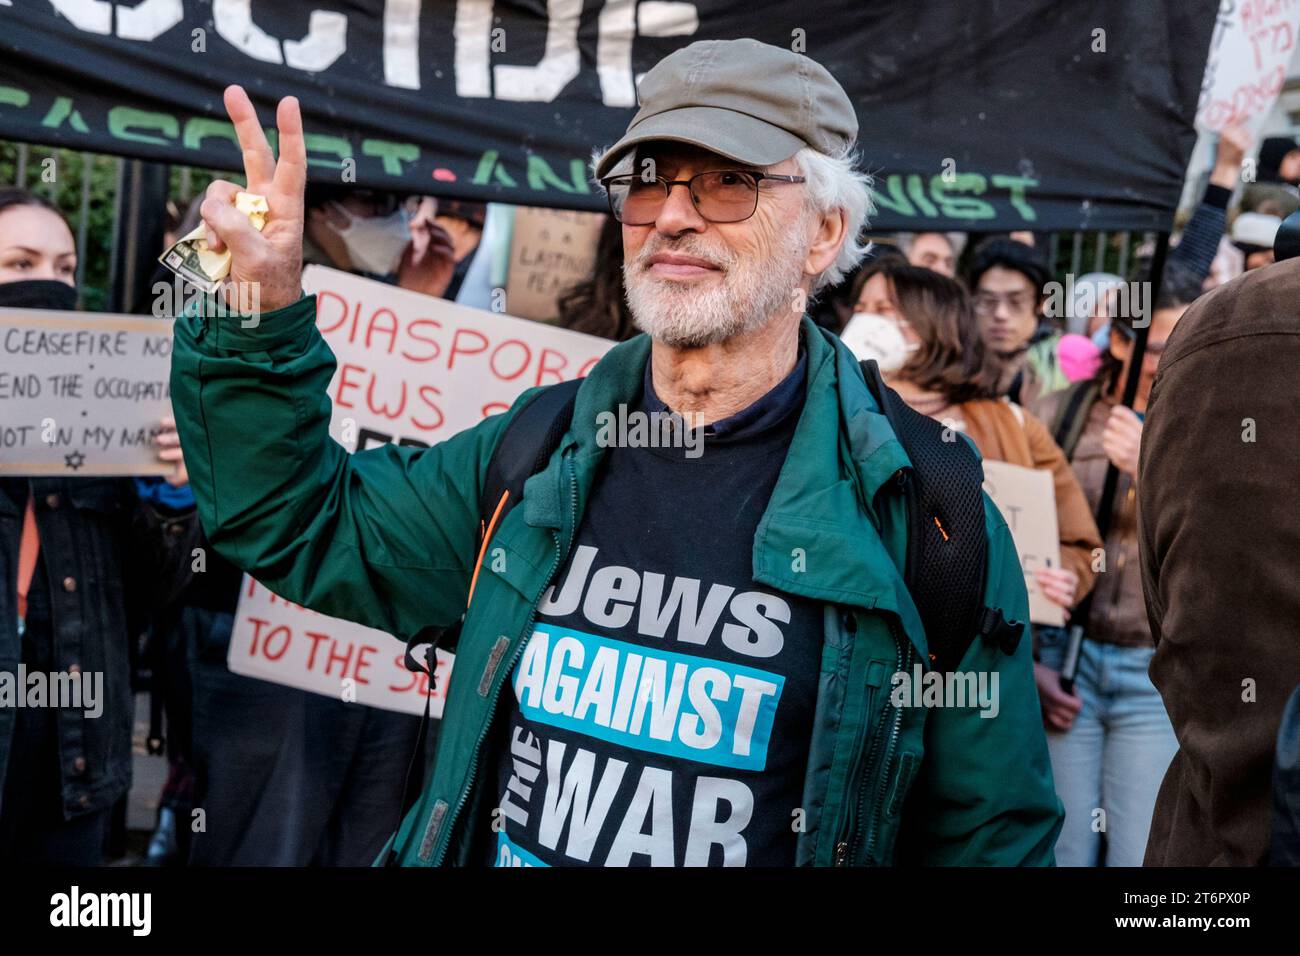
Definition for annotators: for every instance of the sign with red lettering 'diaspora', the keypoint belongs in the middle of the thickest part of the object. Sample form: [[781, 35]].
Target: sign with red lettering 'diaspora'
[[414, 370]]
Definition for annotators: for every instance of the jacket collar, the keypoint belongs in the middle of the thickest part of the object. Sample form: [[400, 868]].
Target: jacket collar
[[614, 380], [819, 536]]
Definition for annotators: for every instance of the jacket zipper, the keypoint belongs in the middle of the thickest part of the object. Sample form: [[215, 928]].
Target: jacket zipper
[[844, 850], [905, 660], [450, 823], [859, 760]]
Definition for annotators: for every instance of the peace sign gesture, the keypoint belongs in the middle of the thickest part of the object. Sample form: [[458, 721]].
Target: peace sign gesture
[[269, 261]]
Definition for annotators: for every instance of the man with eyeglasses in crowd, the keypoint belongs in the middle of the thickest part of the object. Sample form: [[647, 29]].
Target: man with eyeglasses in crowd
[[1007, 279], [684, 656]]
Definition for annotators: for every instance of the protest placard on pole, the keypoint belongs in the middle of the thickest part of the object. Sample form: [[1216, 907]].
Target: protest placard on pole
[[1027, 500], [82, 394], [414, 370], [551, 250], [1250, 50]]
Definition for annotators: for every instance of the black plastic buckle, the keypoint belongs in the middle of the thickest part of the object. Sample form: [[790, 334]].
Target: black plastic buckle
[[431, 637], [996, 629]]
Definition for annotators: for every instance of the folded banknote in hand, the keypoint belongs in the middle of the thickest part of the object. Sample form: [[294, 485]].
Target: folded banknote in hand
[[192, 260]]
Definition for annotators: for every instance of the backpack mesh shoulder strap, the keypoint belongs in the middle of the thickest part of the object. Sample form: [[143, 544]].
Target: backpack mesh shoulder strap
[[947, 548], [523, 450]]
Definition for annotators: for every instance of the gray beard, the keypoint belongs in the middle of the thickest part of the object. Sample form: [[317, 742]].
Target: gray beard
[[749, 296]]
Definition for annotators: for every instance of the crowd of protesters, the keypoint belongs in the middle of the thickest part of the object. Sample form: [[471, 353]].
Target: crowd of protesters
[[963, 327]]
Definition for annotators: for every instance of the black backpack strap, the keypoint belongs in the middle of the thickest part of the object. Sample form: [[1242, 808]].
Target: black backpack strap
[[1072, 415], [947, 547], [429, 637], [524, 448]]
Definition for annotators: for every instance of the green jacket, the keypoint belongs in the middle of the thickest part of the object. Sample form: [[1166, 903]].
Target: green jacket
[[386, 537]]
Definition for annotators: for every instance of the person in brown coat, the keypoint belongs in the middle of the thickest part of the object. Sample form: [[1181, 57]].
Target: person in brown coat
[[1219, 537], [950, 377], [1111, 740]]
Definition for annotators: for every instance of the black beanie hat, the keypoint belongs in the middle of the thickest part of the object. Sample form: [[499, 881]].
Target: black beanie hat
[[1009, 254], [1271, 153]]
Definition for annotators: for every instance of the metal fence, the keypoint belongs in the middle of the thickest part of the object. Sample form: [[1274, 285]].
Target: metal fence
[[1077, 253], [96, 194], [31, 176]]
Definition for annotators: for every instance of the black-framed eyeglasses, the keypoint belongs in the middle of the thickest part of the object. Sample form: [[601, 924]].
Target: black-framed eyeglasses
[[721, 195]]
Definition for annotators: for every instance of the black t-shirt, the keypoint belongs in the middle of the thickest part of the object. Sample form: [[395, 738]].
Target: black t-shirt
[[660, 713]]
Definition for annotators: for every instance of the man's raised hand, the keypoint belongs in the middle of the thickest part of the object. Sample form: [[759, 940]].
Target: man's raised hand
[[266, 266]]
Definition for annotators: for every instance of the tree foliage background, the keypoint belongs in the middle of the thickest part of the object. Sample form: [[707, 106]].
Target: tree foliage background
[[61, 181]]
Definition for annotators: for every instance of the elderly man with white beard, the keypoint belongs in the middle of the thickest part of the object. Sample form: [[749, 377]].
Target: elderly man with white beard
[[683, 655]]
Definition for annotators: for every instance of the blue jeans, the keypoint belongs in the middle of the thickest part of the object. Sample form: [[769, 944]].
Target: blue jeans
[[1109, 765]]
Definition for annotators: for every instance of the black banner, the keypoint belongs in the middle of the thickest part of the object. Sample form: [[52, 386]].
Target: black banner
[[975, 114]]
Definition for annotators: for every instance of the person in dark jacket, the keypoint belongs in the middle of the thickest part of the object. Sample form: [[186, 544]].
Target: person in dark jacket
[[1199, 246], [256, 754], [81, 561], [1285, 849], [1218, 537]]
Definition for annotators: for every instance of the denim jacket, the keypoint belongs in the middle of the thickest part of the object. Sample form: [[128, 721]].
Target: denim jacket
[[109, 558]]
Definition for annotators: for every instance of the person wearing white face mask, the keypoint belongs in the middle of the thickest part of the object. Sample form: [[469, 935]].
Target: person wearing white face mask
[[872, 335], [877, 329], [373, 234], [373, 243], [942, 370]]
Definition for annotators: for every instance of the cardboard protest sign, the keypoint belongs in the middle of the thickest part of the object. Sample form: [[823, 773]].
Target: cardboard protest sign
[[414, 370], [1250, 50], [551, 250], [1027, 500], [82, 394]]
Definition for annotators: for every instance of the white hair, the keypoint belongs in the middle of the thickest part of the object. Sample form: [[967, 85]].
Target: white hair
[[835, 182], [596, 153]]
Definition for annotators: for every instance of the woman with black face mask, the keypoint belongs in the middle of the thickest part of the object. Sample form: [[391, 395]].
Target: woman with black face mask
[[82, 563]]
